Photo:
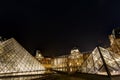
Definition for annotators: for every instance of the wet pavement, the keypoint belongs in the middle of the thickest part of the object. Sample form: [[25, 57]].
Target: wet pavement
[[57, 76]]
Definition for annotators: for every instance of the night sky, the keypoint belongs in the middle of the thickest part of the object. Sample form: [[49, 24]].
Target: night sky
[[55, 27]]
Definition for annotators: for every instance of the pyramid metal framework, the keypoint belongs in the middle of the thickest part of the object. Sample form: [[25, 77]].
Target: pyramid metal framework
[[102, 62], [15, 60]]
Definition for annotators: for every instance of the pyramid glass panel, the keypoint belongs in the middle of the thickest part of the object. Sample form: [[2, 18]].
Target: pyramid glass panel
[[95, 63], [15, 60]]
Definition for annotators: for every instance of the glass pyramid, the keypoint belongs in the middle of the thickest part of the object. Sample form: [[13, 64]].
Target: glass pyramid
[[15, 60], [103, 62]]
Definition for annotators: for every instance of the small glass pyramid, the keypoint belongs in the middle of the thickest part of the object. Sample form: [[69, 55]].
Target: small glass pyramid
[[15, 60], [106, 63]]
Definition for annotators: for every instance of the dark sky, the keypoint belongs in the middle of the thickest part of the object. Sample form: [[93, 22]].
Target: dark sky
[[55, 27]]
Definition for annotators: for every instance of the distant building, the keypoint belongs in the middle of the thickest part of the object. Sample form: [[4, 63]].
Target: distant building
[[45, 61], [115, 40], [38, 55], [75, 59], [69, 63], [60, 63]]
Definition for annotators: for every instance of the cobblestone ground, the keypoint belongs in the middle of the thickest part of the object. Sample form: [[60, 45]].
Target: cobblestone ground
[[59, 77], [74, 77], [63, 77]]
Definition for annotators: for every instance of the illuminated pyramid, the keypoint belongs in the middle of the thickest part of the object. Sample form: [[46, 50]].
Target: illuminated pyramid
[[15, 60], [103, 62]]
